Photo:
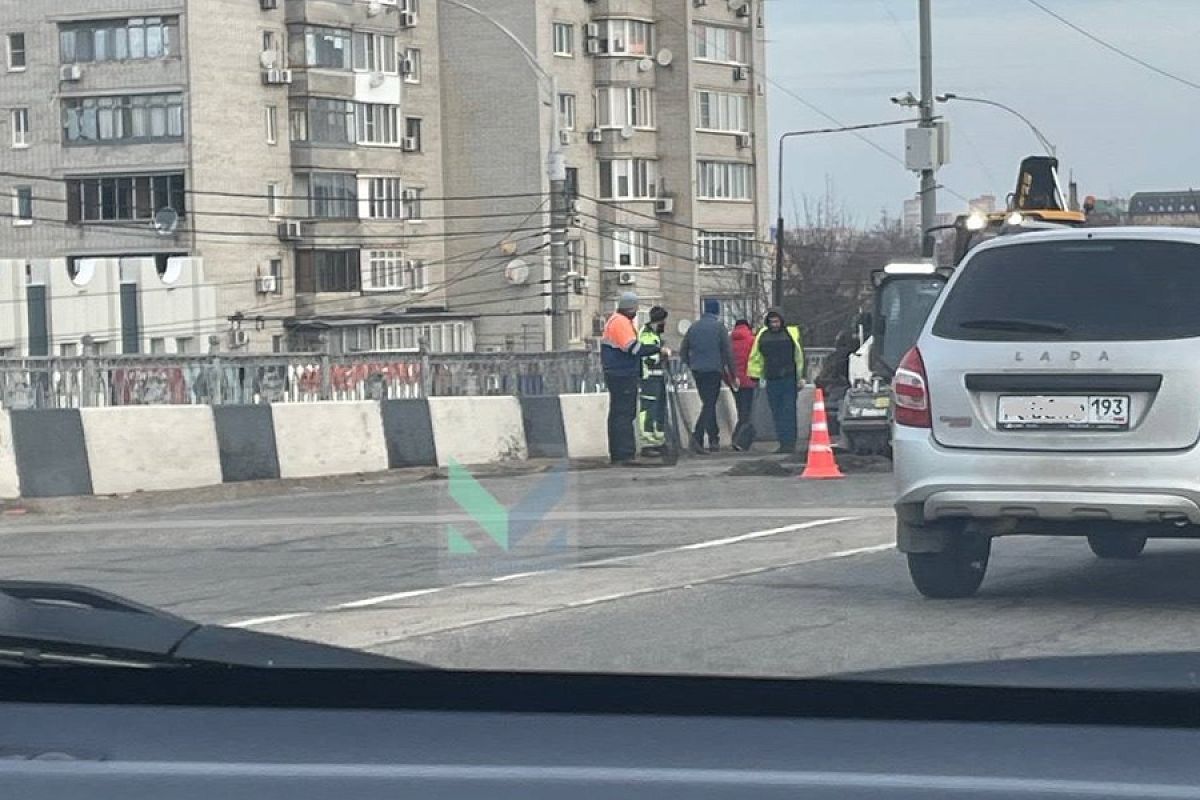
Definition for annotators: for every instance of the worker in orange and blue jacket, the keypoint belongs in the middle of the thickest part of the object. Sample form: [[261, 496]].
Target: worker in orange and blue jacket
[[621, 354]]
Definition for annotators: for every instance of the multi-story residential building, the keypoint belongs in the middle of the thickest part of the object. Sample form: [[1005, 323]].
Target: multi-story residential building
[[662, 118], [188, 175]]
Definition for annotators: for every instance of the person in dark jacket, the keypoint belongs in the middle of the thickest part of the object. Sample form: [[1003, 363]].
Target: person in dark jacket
[[742, 341], [834, 378], [621, 354], [778, 358], [707, 353]]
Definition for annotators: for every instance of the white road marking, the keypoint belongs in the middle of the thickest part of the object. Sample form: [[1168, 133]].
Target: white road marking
[[704, 545]]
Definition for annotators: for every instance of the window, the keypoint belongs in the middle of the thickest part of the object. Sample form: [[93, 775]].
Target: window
[[412, 204], [572, 187], [19, 120], [275, 270], [378, 124], [332, 195], [384, 198], [631, 249], [327, 271], [185, 344], [324, 120], [724, 45], [384, 271], [322, 48], [723, 111], [725, 180], [438, 337], [575, 325], [272, 121], [124, 197], [123, 118], [626, 37], [273, 200], [412, 133], [270, 42], [566, 112], [618, 107], [375, 52], [414, 275], [70, 349], [23, 205], [724, 249], [412, 65], [564, 39], [628, 179], [132, 39], [17, 57]]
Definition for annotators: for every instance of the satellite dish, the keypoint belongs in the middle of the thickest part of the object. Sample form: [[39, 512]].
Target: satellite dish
[[85, 270], [683, 326], [268, 59], [374, 8], [517, 272], [646, 64], [664, 57], [173, 271], [376, 80], [166, 221], [627, 132]]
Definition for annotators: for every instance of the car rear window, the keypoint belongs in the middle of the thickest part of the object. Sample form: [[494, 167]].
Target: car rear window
[[1079, 290]]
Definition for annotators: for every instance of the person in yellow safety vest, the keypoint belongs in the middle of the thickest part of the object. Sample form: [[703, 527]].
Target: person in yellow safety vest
[[777, 357], [652, 418], [621, 354]]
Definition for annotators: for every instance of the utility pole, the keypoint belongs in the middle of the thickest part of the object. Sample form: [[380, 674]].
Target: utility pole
[[556, 170], [928, 176]]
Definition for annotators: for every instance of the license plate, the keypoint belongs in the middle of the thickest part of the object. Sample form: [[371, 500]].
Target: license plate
[[1071, 412]]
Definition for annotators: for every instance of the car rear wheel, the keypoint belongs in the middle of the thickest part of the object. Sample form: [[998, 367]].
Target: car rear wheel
[[956, 571], [1117, 545]]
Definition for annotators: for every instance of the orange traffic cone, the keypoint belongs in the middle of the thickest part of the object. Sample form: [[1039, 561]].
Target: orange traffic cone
[[821, 463]]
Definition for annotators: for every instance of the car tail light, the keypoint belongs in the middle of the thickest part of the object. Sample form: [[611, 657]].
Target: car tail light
[[910, 388]]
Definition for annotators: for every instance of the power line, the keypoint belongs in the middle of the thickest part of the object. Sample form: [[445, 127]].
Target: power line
[[1112, 47]]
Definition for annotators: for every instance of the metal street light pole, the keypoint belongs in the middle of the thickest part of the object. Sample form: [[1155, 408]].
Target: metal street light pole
[[1050, 149], [556, 174], [928, 176], [777, 289]]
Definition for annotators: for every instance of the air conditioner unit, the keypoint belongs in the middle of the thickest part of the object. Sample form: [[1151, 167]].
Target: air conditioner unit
[[408, 19], [699, 3], [627, 278], [741, 73], [664, 205], [742, 140], [268, 5], [70, 72], [592, 47], [239, 337], [277, 77], [564, 137], [593, 30], [595, 136], [743, 11], [581, 285], [409, 144], [291, 230], [266, 284]]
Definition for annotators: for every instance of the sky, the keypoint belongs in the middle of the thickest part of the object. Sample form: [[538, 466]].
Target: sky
[[1119, 127]]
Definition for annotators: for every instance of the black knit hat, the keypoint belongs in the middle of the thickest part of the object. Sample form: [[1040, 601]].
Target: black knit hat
[[658, 314]]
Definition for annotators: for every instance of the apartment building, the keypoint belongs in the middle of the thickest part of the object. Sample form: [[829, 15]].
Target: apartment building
[[661, 110], [196, 175]]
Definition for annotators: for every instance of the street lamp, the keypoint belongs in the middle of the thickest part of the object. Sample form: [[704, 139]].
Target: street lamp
[[556, 173], [777, 290], [1050, 149]]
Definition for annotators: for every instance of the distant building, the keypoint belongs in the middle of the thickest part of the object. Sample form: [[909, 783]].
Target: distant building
[[912, 214], [1179, 209], [985, 203]]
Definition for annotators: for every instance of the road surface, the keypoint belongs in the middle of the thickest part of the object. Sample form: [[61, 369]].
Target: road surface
[[649, 570]]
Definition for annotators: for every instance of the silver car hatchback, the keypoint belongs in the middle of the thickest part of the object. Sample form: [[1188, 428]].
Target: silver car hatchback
[[1055, 390]]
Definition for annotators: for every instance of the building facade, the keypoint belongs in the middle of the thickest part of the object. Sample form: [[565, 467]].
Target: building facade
[[370, 175], [661, 110]]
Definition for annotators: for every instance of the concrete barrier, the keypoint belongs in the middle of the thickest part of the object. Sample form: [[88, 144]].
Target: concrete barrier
[[543, 417], [478, 430], [764, 425], [246, 438], [151, 448], [329, 438], [409, 433], [585, 423], [689, 403], [10, 485], [52, 458]]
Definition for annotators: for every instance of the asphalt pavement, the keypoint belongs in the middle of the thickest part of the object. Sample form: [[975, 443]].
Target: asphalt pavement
[[689, 569]]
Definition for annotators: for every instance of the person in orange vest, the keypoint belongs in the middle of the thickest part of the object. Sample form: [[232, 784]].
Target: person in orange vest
[[621, 354]]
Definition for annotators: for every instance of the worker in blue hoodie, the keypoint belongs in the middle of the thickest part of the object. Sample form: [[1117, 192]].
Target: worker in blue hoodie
[[707, 352]]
